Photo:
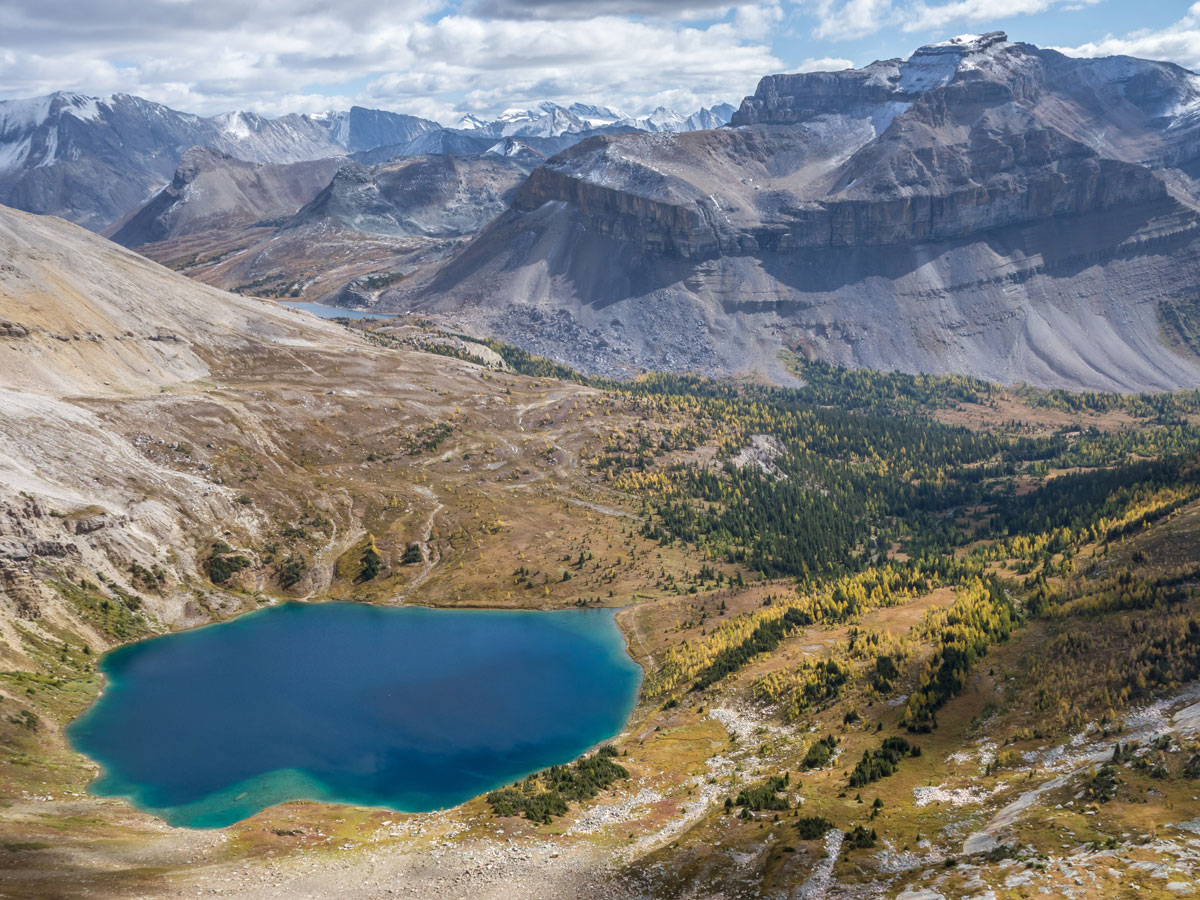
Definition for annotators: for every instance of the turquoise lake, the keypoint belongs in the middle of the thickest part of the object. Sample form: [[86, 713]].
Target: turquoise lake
[[335, 312], [408, 708]]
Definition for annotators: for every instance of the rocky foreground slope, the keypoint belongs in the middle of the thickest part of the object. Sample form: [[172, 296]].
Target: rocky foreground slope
[[143, 415], [985, 207]]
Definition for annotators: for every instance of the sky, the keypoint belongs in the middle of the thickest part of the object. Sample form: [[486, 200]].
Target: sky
[[443, 58]]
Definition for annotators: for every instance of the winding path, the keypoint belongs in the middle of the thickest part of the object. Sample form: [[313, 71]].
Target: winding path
[[429, 556]]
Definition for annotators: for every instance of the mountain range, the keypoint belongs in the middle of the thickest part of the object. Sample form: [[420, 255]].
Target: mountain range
[[983, 206], [552, 120], [92, 160]]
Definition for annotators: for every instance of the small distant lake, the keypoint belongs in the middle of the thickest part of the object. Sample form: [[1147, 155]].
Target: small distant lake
[[335, 312], [408, 708]]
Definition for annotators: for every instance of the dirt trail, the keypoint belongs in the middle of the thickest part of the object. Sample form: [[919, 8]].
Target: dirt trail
[[603, 510], [429, 556]]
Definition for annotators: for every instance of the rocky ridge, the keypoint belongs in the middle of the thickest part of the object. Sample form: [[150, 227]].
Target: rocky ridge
[[93, 160]]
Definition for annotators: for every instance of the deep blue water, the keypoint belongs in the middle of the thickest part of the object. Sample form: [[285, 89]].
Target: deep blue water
[[408, 708], [335, 312]]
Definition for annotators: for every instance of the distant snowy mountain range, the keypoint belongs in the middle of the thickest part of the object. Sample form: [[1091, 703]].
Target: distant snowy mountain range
[[552, 120], [93, 159]]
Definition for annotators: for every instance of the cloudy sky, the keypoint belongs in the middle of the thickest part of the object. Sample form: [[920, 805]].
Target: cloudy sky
[[441, 59]]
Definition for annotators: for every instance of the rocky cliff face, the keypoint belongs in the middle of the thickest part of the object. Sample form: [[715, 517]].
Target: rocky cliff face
[[921, 214]]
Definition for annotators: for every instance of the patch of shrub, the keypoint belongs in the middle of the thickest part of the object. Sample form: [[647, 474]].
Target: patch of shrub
[[291, 570], [878, 764], [27, 719], [1103, 786], [223, 563], [860, 838], [543, 796], [811, 828], [765, 795], [370, 562], [820, 753]]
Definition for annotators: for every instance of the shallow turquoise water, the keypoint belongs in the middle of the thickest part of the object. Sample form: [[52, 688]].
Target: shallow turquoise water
[[408, 708], [335, 312]]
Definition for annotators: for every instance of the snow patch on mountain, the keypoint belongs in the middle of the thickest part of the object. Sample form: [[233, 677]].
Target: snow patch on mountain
[[16, 115], [51, 152], [235, 125], [13, 154], [86, 109]]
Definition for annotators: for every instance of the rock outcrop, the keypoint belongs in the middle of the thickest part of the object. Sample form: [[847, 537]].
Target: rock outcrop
[[331, 230]]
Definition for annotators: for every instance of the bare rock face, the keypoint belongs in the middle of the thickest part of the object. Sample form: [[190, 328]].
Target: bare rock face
[[331, 230], [24, 592], [984, 206]]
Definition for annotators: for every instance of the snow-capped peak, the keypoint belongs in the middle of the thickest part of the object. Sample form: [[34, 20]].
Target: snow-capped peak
[[86, 109], [20, 114], [514, 149], [935, 65], [664, 118], [596, 116], [235, 124], [964, 44], [550, 119]]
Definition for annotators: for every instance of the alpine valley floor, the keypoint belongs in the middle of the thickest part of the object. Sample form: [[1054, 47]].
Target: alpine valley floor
[[902, 636]]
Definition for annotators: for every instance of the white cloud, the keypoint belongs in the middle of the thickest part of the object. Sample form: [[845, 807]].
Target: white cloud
[[850, 19], [822, 64], [415, 56], [924, 17], [1179, 42], [753, 21], [684, 10]]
